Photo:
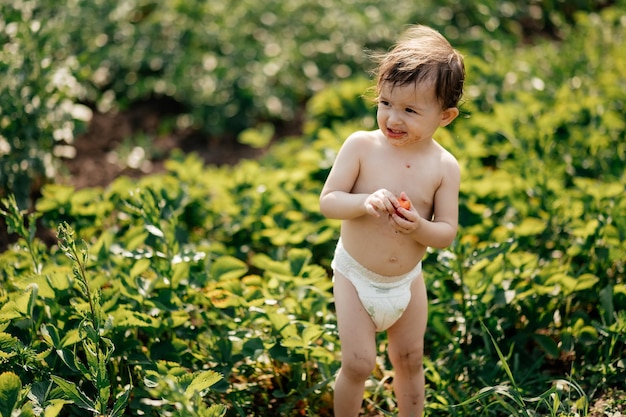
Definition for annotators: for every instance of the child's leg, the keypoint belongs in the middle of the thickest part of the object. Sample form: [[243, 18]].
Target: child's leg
[[357, 335], [406, 352]]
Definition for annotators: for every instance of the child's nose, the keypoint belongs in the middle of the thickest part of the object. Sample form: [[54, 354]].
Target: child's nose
[[394, 118]]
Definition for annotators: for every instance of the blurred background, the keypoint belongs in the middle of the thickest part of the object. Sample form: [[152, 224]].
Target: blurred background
[[94, 89]]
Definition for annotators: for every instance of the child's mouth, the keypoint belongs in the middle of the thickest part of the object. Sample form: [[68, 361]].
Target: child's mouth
[[394, 133]]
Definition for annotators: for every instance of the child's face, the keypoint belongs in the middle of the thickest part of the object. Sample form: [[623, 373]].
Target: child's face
[[409, 113]]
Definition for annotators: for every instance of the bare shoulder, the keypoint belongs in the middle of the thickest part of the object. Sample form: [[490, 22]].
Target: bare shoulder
[[448, 161], [363, 137], [357, 145], [347, 166]]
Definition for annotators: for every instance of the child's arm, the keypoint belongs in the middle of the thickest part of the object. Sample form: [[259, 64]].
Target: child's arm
[[337, 200]]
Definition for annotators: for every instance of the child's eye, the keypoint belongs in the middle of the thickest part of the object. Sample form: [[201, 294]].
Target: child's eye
[[384, 102], [410, 110]]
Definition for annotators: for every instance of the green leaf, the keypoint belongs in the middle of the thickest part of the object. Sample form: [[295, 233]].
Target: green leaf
[[547, 344], [8, 342], [293, 341], [216, 410], [72, 336], [125, 318], [282, 324], [566, 282], [51, 335], [139, 268], [57, 279], [32, 299], [298, 259], [179, 273], [585, 281], [23, 302], [505, 365], [120, 403], [14, 217], [10, 311], [54, 195], [228, 267], [202, 381], [492, 251], [530, 226], [257, 138], [222, 298], [68, 357], [10, 386], [252, 348], [83, 250], [74, 394], [311, 333], [262, 261], [606, 302], [281, 353], [54, 407]]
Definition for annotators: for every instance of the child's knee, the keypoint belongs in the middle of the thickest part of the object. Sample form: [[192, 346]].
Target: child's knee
[[410, 359], [358, 367]]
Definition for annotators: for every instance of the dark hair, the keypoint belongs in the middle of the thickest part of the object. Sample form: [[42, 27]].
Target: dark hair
[[423, 55]]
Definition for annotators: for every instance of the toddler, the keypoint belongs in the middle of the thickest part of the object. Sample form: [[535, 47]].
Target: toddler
[[378, 281]]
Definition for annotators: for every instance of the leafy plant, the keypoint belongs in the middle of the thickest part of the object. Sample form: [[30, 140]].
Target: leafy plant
[[96, 349], [510, 398], [205, 290], [225, 68]]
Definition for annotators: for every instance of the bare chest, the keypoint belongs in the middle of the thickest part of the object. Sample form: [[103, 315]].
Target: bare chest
[[419, 178]]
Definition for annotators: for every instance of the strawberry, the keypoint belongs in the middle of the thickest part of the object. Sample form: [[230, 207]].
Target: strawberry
[[404, 203]]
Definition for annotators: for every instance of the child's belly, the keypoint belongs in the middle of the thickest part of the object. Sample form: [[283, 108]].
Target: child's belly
[[375, 245]]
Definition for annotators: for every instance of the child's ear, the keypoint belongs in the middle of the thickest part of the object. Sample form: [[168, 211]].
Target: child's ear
[[448, 115]]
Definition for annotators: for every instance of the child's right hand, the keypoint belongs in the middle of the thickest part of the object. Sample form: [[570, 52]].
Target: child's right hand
[[380, 201]]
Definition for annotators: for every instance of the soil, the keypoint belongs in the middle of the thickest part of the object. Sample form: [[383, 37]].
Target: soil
[[95, 163], [98, 150]]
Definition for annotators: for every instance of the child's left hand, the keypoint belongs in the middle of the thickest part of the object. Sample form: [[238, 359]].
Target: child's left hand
[[406, 218]]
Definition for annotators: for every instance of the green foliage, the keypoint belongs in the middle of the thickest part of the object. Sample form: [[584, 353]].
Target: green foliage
[[10, 386], [162, 292], [39, 98], [510, 399], [349, 100], [205, 291], [227, 66]]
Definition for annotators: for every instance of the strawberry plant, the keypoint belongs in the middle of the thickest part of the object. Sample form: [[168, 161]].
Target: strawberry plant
[[205, 290]]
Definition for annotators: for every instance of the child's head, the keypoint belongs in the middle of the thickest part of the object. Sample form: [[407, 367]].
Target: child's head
[[423, 55]]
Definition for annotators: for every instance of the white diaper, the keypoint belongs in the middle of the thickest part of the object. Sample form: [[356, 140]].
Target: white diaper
[[384, 297]]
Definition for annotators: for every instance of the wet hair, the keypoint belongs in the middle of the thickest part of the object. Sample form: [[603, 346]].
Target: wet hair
[[423, 55]]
